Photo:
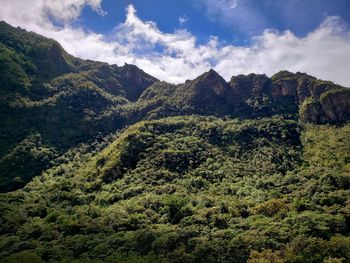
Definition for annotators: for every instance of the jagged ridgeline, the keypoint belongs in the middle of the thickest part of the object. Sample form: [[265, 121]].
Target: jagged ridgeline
[[101, 163]]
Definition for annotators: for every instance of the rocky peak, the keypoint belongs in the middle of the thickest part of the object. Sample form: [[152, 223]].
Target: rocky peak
[[209, 91], [134, 80], [211, 84]]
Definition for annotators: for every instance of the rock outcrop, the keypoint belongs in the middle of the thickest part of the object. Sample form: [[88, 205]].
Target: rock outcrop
[[208, 92], [333, 107]]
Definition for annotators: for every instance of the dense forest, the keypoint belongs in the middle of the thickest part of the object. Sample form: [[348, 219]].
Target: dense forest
[[105, 163]]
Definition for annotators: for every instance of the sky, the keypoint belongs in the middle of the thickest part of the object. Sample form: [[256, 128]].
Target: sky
[[175, 40]]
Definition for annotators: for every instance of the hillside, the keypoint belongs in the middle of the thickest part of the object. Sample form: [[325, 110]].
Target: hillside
[[53, 101], [105, 163], [194, 189]]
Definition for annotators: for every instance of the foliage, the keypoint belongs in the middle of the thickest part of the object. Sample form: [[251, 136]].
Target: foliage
[[62, 99], [191, 189]]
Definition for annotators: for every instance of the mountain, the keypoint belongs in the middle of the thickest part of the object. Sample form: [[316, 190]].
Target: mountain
[[105, 163], [54, 101], [298, 96]]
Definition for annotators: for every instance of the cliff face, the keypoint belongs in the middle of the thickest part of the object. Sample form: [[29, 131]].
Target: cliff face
[[332, 107], [245, 87], [256, 95], [336, 105], [318, 101]]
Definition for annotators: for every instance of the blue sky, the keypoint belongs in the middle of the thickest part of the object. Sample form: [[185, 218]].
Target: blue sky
[[236, 25], [176, 40]]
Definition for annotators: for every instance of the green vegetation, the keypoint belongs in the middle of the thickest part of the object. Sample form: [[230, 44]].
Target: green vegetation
[[67, 101], [194, 189], [59, 98]]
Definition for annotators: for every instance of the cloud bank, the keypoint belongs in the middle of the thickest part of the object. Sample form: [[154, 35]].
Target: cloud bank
[[176, 56]]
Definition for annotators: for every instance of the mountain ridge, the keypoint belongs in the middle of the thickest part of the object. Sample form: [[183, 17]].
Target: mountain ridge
[[75, 100]]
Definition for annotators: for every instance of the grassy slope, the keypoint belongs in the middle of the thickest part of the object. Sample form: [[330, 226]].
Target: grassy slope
[[192, 189]]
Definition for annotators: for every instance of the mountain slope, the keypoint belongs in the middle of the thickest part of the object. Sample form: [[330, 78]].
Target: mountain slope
[[48, 93], [192, 189], [66, 101]]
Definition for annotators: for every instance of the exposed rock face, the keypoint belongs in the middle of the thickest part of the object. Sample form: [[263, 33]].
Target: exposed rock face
[[255, 95], [135, 80], [251, 96], [319, 101], [208, 91], [245, 87], [332, 107], [285, 88], [336, 105], [299, 85]]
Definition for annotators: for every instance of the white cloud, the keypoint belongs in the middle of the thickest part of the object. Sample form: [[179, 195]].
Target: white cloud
[[183, 20], [220, 7], [175, 57], [239, 16], [39, 11]]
